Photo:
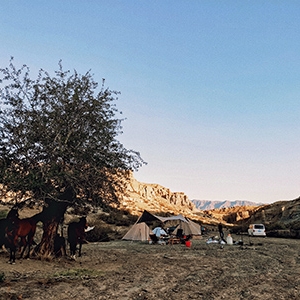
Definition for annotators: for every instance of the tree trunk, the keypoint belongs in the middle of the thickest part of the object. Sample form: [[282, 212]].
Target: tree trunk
[[46, 246], [51, 216]]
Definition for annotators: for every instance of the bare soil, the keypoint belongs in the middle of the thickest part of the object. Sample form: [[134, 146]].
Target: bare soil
[[263, 268]]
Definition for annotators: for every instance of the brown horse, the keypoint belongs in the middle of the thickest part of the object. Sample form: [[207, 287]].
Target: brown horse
[[23, 229], [76, 235]]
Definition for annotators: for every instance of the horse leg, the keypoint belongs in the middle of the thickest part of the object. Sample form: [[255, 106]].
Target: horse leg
[[79, 251], [72, 249], [12, 253], [24, 244], [29, 244], [12, 256]]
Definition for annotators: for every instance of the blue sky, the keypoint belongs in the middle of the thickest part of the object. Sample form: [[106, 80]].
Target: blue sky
[[210, 89]]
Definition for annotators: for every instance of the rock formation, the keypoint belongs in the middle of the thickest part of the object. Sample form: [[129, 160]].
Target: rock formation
[[156, 198]]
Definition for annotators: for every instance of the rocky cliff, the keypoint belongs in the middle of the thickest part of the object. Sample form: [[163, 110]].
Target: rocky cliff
[[281, 215], [155, 198]]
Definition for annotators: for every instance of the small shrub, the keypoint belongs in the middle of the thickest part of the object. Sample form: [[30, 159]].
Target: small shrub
[[239, 229], [3, 214], [118, 218], [99, 234], [275, 226], [295, 225], [2, 277]]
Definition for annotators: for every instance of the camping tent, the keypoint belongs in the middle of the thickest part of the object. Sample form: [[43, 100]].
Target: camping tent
[[148, 217], [189, 227], [138, 232]]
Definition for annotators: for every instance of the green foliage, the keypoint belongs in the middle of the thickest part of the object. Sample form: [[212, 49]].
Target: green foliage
[[59, 133], [239, 229], [118, 218], [295, 225], [2, 277], [3, 214], [276, 226], [100, 233]]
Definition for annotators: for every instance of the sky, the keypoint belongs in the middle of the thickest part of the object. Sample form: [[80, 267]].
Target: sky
[[210, 89]]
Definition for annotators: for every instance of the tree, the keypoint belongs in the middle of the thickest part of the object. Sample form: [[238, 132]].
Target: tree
[[59, 142]]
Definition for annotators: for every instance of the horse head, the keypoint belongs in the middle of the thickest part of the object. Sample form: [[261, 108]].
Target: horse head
[[83, 221], [13, 214]]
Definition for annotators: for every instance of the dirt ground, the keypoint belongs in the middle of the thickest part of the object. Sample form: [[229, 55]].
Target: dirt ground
[[263, 268]]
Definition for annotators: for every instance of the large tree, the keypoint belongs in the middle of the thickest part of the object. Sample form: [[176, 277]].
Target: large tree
[[59, 141]]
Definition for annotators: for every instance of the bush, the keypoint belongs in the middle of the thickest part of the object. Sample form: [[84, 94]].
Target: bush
[[275, 226], [100, 233], [3, 214], [119, 218], [2, 277], [239, 229]]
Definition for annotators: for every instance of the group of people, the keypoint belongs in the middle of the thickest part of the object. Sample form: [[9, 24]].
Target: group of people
[[163, 236]]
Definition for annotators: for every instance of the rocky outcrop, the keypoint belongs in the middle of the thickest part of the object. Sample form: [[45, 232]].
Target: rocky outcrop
[[156, 198], [280, 215]]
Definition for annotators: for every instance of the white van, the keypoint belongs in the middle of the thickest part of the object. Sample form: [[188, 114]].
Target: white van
[[257, 230]]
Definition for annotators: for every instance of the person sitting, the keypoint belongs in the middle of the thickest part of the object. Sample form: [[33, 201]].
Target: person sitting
[[159, 232]]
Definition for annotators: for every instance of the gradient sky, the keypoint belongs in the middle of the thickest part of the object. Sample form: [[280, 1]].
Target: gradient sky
[[210, 89]]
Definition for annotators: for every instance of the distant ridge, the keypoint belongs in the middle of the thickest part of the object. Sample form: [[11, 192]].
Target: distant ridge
[[209, 205]]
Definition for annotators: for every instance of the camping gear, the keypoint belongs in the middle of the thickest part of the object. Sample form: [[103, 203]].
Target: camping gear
[[139, 232], [188, 227], [188, 243], [229, 240], [154, 239], [159, 231]]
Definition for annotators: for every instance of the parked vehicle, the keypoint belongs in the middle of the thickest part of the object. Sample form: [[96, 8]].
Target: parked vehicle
[[257, 230]]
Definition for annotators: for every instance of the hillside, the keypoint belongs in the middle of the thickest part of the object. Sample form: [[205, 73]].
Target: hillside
[[282, 217], [209, 205], [158, 199]]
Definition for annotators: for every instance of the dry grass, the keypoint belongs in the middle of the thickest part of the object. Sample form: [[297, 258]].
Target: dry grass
[[263, 268]]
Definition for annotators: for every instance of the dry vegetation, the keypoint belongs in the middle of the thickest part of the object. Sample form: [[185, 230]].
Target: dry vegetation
[[263, 268]]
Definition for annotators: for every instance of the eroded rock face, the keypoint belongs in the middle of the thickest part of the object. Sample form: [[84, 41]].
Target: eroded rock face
[[154, 197]]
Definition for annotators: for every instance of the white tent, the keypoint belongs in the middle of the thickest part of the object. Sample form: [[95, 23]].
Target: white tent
[[138, 232]]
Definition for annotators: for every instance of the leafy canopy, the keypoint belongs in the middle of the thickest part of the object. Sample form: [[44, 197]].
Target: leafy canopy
[[59, 132]]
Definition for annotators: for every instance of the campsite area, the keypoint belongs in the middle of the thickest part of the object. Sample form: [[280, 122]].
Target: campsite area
[[261, 268]]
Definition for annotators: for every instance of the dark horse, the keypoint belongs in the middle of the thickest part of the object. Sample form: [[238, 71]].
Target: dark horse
[[76, 235], [3, 226], [20, 228]]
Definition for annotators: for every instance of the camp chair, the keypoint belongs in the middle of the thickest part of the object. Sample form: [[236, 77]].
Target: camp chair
[[183, 238], [154, 238], [179, 233]]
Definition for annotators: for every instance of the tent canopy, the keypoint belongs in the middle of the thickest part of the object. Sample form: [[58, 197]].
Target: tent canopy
[[189, 227], [148, 217], [140, 230]]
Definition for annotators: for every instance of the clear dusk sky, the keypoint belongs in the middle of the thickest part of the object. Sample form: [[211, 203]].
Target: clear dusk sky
[[210, 89]]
